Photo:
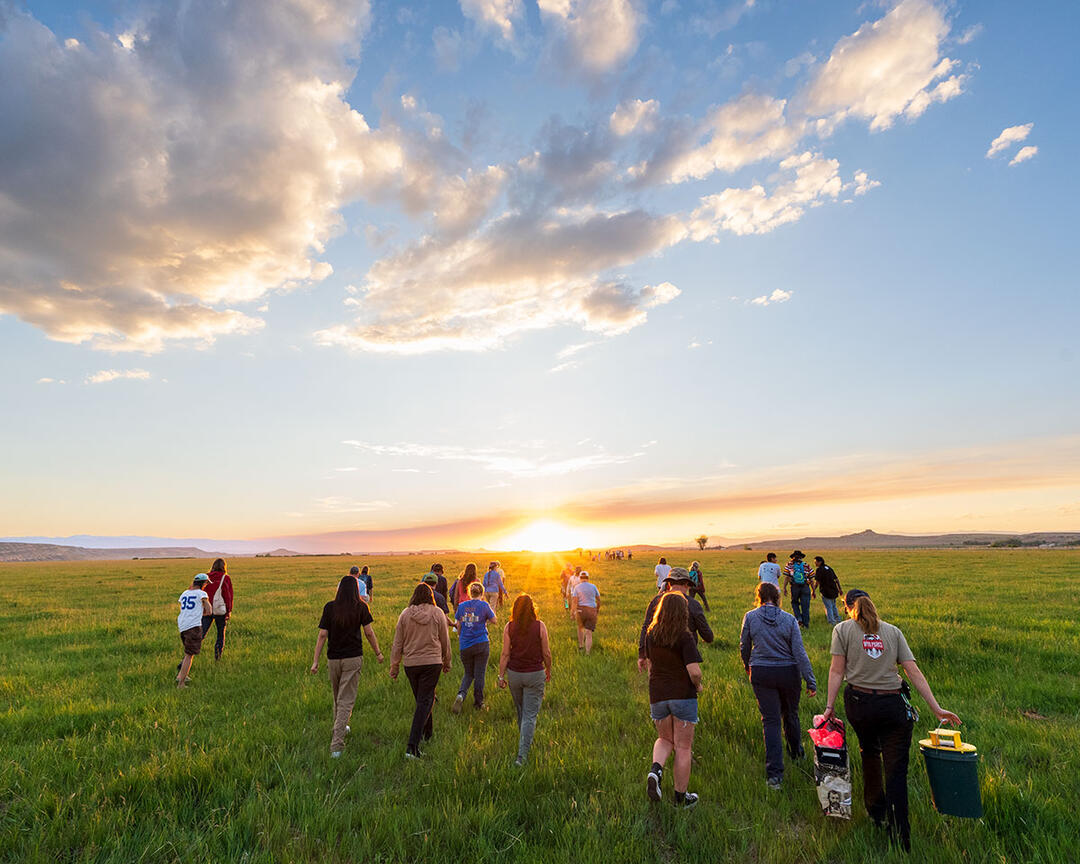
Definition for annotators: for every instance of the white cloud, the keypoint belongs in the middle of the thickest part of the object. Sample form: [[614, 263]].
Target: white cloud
[[106, 375], [862, 183], [1024, 154], [497, 15], [633, 115], [597, 35], [153, 183], [754, 211], [51, 381], [970, 34], [524, 271], [510, 459], [1009, 136], [779, 295], [886, 68]]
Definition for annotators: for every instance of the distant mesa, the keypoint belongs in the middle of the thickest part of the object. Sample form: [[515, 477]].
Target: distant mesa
[[279, 553]]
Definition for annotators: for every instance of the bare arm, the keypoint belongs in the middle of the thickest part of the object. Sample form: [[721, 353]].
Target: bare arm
[[395, 650], [373, 641], [836, 677], [545, 651], [694, 671], [444, 643], [207, 609], [918, 680], [504, 656], [320, 640]]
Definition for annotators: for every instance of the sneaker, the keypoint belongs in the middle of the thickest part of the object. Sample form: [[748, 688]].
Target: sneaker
[[483, 706], [653, 785], [456, 707], [689, 800], [335, 754], [413, 754], [774, 782], [519, 762]]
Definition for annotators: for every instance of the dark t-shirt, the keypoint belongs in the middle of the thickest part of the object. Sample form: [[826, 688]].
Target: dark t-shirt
[[827, 583], [668, 678], [340, 645]]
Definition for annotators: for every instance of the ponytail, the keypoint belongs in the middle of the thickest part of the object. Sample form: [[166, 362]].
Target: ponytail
[[865, 613]]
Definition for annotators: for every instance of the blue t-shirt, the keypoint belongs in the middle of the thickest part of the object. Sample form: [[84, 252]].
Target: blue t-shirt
[[587, 594], [472, 617]]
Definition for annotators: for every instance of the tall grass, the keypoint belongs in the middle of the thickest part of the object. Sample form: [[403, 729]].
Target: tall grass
[[102, 759]]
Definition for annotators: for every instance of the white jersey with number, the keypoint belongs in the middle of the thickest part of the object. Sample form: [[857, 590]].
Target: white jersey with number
[[191, 609]]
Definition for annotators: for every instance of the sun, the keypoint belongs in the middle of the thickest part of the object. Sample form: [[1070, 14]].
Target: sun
[[543, 535]]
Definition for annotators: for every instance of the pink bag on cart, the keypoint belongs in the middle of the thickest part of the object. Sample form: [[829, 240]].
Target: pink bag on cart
[[832, 775]]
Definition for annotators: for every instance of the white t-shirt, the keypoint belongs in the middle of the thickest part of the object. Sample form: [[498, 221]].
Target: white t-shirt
[[769, 571], [661, 571], [361, 586], [191, 609]]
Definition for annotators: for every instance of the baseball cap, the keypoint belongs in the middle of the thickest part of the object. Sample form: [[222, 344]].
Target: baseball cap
[[679, 574], [354, 570], [201, 577], [430, 578], [853, 595]]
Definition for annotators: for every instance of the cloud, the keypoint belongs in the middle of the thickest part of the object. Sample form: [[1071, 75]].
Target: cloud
[[970, 34], [344, 504], [106, 375], [779, 295], [754, 211], [862, 183], [1023, 154], [496, 15], [511, 460], [596, 36], [749, 129], [886, 69], [51, 381], [634, 114], [524, 271], [1009, 136], [154, 182]]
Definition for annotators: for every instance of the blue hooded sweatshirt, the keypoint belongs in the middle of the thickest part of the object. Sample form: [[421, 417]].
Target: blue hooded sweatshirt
[[770, 637]]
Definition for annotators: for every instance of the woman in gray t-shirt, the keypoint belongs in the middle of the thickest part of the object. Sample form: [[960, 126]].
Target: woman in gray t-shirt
[[867, 651]]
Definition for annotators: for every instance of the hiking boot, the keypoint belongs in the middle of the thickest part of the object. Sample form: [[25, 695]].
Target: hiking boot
[[456, 707], [652, 784]]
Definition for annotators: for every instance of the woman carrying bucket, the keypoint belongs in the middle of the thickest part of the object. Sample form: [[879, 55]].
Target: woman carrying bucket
[[866, 651]]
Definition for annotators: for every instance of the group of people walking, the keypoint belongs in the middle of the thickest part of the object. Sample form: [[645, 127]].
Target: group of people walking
[[866, 651]]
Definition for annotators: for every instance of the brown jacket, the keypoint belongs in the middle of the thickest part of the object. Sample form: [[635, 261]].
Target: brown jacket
[[421, 637]]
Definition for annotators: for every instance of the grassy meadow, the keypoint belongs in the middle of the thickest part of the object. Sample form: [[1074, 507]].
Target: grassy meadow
[[102, 759]]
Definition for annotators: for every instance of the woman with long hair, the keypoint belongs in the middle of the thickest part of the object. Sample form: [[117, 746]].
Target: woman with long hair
[[343, 620], [220, 589], [472, 618], [525, 667], [422, 643], [462, 583], [866, 651], [697, 586], [775, 659], [674, 684]]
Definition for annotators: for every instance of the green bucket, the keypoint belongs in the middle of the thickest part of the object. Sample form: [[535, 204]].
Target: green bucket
[[954, 780]]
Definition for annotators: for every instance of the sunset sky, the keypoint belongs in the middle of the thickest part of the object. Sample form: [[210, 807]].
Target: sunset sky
[[389, 275]]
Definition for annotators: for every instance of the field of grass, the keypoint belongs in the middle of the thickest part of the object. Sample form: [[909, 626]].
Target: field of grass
[[102, 759]]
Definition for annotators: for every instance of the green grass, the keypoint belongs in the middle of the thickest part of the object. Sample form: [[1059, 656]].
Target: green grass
[[102, 759]]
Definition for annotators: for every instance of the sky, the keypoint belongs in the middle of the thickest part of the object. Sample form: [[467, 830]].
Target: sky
[[537, 273]]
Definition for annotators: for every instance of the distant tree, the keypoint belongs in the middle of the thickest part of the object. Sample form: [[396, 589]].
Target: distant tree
[[701, 541]]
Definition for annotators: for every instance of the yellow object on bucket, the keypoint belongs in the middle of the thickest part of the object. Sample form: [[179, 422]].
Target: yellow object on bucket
[[947, 739]]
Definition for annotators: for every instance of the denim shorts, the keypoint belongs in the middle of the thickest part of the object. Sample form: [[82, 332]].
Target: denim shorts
[[680, 709]]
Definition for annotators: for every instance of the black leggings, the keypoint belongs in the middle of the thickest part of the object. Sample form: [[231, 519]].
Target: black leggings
[[423, 680], [219, 643]]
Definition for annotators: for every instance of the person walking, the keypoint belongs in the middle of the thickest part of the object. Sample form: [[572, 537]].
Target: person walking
[[828, 586], [431, 580], [769, 571], [494, 587], [343, 621], [422, 644], [194, 607], [775, 659], [220, 591], [571, 584], [440, 580], [459, 592], [585, 607], [866, 652], [525, 667], [677, 580], [697, 579], [674, 684], [797, 578], [661, 570], [472, 618]]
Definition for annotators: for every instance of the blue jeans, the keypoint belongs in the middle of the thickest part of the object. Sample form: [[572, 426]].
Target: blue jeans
[[219, 643], [800, 603], [777, 691], [474, 659], [830, 610]]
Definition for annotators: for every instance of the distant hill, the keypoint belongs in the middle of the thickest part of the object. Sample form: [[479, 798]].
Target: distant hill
[[872, 540], [51, 552]]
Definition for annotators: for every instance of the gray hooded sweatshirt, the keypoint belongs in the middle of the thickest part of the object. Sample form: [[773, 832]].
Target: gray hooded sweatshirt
[[770, 637]]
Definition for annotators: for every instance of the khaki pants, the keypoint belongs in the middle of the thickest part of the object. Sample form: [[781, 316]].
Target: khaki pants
[[344, 678], [492, 598]]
